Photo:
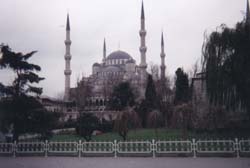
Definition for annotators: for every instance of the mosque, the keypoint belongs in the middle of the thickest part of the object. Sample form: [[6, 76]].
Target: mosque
[[118, 66]]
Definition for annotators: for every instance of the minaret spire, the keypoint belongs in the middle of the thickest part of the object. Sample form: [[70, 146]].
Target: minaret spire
[[162, 40], [67, 57], [143, 50], [104, 50], [142, 11], [68, 23], [248, 13], [163, 66]]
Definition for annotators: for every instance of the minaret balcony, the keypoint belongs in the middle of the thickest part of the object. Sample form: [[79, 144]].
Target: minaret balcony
[[143, 65], [67, 57], [67, 72], [67, 42], [163, 55], [143, 33], [143, 49]]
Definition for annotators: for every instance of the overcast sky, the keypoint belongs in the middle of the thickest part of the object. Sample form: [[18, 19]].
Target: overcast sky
[[27, 25]]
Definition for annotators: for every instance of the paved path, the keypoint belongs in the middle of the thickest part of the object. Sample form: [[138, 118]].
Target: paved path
[[68, 162]]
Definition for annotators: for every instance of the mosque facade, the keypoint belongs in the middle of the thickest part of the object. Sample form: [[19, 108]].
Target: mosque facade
[[116, 67]]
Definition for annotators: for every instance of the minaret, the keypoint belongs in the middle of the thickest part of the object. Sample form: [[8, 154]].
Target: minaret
[[104, 51], [67, 71], [248, 13], [143, 48], [163, 66]]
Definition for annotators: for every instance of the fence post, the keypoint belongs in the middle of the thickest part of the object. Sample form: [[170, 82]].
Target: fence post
[[46, 148], [115, 148], [237, 147], [194, 148], [14, 149], [79, 148], [153, 148]]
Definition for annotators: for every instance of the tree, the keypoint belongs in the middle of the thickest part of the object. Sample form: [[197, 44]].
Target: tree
[[86, 124], [121, 124], [122, 97], [81, 93], [183, 117], [150, 94], [155, 120], [226, 64], [27, 115], [181, 87], [125, 120], [141, 108], [150, 103], [165, 96], [20, 105], [24, 73]]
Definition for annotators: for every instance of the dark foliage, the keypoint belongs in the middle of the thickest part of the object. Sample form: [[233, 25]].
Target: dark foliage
[[182, 93], [106, 126], [226, 55], [151, 99], [18, 107], [142, 110], [86, 124], [122, 97]]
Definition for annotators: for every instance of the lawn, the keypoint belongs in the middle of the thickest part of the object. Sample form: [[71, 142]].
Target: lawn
[[149, 134], [138, 134]]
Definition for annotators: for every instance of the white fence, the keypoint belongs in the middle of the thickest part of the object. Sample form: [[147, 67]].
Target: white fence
[[97, 147], [152, 148], [174, 147]]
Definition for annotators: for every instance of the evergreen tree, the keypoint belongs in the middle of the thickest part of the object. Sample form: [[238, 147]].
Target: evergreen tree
[[181, 87], [150, 94], [122, 97], [150, 102], [86, 124], [20, 107]]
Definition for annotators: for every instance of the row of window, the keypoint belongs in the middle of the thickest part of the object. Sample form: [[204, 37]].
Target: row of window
[[97, 102], [115, 61], [110, 73]]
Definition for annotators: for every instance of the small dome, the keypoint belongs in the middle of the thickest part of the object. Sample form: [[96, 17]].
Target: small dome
[[119, 55], [96, 65]]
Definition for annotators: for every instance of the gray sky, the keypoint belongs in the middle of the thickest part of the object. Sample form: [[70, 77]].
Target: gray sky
[[27, 25]]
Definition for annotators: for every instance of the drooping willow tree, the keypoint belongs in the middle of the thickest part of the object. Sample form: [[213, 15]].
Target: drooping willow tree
[[226, 64]]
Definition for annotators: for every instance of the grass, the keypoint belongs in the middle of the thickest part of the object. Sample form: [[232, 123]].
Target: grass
[[149, 134], [139, 134]]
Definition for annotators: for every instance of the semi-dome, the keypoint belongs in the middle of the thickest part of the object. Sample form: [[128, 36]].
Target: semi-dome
[[112, 69], [119, 55], [96, 65]]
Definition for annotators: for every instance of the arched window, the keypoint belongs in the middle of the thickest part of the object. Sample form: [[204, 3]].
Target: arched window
[[101, 102], [96, 102]]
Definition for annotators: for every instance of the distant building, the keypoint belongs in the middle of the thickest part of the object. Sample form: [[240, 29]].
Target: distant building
[[199, 98], [66, 109]]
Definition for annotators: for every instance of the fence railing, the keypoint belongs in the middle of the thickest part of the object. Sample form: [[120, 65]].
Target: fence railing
[[193, 148], [174, 147], [215, 146], [97, 147]]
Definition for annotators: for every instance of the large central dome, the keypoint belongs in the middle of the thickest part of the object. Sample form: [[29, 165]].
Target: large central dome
[[119, 55]]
